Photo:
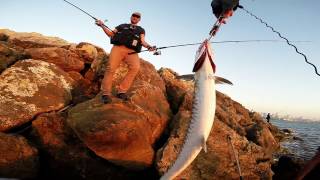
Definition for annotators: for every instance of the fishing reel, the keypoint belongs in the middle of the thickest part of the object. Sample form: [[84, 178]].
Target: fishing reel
[[157, 52]]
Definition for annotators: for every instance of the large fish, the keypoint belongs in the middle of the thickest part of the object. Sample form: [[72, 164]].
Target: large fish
[[203, 111]]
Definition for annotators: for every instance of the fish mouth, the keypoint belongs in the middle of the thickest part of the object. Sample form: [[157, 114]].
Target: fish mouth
[[202, 54]]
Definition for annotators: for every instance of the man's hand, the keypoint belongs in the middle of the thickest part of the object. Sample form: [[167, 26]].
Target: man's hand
[[99, 23], [152, 48], [226, 15]]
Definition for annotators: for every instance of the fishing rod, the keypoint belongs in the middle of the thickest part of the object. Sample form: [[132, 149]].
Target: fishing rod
[[220, 42], [281, 36], [215, 27], [85, 12]]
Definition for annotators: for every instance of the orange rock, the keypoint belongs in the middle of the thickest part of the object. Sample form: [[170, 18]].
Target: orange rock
[[65, 59], [17, 158], [31, 87]]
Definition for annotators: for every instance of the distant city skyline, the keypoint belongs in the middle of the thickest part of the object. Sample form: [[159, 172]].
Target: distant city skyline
[[267, 76], [288, 117]]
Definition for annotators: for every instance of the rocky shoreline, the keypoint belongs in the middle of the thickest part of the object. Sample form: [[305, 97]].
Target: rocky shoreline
[[53, 125]]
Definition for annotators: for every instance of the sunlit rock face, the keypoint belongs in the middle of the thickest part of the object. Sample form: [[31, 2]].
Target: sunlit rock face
[[31, 87]]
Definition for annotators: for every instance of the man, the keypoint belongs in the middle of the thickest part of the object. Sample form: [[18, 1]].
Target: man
[[268, 117], [223, 9], [126, 39]]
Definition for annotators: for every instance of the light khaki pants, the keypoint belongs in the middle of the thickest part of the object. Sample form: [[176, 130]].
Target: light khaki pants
[[117, 55]]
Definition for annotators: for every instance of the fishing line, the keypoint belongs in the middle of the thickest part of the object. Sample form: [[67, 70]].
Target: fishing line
[[281, 36], [222, 42], [236, 157]]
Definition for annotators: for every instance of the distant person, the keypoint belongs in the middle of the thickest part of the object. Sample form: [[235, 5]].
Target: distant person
[[268, 117], [126, 38]]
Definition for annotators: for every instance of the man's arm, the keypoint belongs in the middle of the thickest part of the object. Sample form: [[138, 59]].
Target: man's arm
[[146, 45], [105, 29]]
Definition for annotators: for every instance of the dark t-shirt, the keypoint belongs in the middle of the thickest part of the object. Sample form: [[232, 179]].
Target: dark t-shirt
[[136, 29], [128, 35]]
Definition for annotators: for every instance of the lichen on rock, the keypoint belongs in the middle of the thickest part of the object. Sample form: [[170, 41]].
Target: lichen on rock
[[30, 87]]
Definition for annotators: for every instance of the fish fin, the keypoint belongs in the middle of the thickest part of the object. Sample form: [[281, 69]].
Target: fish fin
[[221, 80], [204, 145], [186, 77]]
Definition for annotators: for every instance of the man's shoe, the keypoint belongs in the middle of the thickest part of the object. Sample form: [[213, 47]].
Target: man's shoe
[[106, 99], [123, 96]]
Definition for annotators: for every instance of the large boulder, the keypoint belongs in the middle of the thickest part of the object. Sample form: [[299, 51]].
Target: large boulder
[[31, 87], [18, 159], [64, 156], [88, 52], [9, 56], [125, 132], [260, 134], [65, 59], [32, 40]]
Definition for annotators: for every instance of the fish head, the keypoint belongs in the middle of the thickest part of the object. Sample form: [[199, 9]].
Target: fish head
[[204, 53]]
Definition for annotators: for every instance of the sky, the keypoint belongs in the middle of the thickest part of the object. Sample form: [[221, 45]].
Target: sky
[[267, 76]]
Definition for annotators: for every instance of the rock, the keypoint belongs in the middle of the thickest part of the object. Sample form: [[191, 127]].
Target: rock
[[32, 40], [31, 87], [124, 132], [99, 64], [9, 56], [287, 168], [250, 125], [289, 131], [3, 37], [296, 138], [278, 134], [121, 133], [114, 132], [65, 59], [84, 90], [17, 158], [64, 156], [176, 89], [147, 74], [86, 51], [261, 136], [232, 114]]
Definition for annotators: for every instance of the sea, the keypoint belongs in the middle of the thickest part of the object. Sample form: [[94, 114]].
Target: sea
[[307, 134]]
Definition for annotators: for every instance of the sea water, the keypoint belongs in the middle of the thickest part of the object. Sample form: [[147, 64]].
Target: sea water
[[308, 137]]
